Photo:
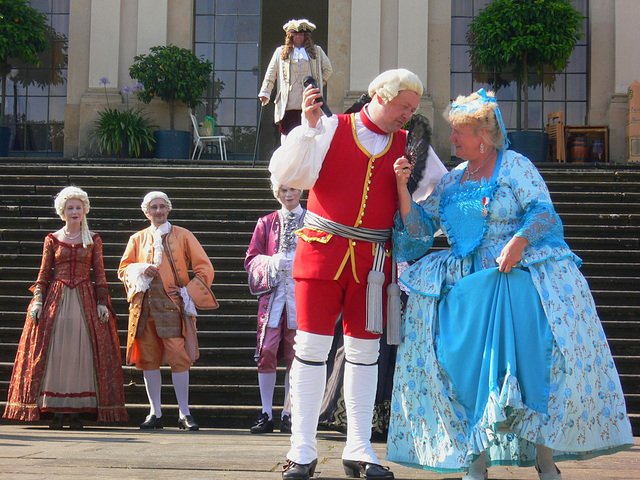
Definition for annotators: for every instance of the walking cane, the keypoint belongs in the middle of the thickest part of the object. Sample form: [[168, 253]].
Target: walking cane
[[255, 149]]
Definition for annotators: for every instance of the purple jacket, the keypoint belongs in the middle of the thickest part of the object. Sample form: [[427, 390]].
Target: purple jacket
[[264, 243]]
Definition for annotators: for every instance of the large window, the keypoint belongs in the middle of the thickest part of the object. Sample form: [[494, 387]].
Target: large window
[[227, 33], [566, 91], [36, 96]]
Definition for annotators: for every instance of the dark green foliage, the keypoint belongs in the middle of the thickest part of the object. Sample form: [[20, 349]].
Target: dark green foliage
[[172, 73], [123, 133], [520, 36]]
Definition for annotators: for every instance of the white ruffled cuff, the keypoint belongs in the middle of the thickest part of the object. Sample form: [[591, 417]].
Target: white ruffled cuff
[[188, 306], [137, 279]]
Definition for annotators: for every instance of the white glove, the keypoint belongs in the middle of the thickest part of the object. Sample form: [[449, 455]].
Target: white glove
[[103, 313], [36, 311], [281, 263]]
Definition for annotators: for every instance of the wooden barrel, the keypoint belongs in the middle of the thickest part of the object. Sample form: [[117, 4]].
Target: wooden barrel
[[579, 150]]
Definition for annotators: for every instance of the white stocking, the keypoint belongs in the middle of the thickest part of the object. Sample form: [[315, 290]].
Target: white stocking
[[181, 387], [287, 384], [153, 385], [267, 382], [308, 378], [360, 385]]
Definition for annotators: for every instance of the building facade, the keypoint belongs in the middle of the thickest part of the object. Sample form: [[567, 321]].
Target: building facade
[[361, 37]]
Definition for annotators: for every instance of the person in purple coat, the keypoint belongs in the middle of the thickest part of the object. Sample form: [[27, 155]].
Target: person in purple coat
[[269, 262]]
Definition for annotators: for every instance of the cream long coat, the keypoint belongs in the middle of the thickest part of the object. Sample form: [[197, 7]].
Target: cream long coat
[[281, 70]]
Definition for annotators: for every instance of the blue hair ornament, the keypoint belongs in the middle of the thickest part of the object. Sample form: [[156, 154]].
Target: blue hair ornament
[[477, 103]]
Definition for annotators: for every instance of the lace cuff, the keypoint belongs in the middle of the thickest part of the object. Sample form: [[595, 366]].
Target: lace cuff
[[541, 224], [188, 306], [137, 280], [412, 238]]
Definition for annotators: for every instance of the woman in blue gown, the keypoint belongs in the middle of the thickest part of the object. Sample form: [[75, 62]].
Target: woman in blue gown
[[503, 358]]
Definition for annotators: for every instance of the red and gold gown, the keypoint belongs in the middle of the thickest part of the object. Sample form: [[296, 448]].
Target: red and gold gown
[[68, 361]]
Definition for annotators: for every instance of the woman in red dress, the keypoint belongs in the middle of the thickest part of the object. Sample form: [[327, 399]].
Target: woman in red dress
[[68, 360]]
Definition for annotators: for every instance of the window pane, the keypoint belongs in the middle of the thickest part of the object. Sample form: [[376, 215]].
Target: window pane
[[56, 108], [248, 28], [205, 6], [37, 109], [459, 28], [461, 8], [247, 56], [60, 24], [225, 56], [576, 113], [225, 112], [247, 85], [246, 112], [226, 27], [576, 87], [460, 58], [59, 6], [226, 7], [249, 6], [204, 50], [228, 88], [42, 5], [204, 28], [578, 60], [554, 86]]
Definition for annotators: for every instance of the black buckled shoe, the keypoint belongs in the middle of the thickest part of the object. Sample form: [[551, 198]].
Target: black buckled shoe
[[285, 424], [298, 471], [188, 423], [262, 424], [152, 422], [367, 470]]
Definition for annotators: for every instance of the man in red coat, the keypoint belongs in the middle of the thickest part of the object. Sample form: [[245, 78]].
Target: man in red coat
[[346, 163]]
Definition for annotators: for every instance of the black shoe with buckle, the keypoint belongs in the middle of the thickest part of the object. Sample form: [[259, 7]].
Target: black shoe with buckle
[[262, 424], [285, 424], [74, 421], [298, 471], [152, 423], [188, 423], [367, 470]]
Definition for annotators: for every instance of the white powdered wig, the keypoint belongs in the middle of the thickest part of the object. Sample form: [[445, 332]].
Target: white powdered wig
[[60, 202], [388, 84], [149, 197]]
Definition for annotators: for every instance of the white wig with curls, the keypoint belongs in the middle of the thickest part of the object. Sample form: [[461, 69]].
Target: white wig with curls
[[60, 202], [149, 197], [388, 84]]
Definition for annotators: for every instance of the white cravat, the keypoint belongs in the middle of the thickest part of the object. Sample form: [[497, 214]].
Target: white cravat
[[299, 54]]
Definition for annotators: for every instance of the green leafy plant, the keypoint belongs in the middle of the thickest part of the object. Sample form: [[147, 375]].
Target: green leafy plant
[[23, 35], [172, 73], [521, 36], [123, 132]]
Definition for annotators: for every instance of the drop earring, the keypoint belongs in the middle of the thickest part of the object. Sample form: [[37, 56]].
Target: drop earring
[[482, 148]]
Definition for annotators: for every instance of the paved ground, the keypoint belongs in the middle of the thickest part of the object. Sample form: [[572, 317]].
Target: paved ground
[[35, 452]]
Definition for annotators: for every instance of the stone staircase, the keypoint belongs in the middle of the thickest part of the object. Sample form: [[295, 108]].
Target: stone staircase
[[219, 203]]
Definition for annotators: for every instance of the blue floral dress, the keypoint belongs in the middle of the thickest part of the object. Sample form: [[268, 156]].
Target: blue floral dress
[[494, 361]]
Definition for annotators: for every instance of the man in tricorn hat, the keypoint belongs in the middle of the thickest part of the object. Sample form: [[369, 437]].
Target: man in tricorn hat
[[290, 64]]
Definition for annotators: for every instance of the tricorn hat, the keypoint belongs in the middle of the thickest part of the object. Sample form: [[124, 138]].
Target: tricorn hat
[[300, 25]]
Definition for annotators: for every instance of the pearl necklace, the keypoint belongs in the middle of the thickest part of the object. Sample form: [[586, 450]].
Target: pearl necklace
[[470, 173], [70, 237]]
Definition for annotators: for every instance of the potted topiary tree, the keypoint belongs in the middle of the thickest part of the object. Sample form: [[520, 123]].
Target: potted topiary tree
[[521, 37], [23, 35], [172, 74]]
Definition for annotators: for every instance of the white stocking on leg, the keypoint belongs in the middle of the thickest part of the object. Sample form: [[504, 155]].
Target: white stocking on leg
[[308, 378], [287, 404], [478, 468], [360, 385], [181, 387], [544, 460], [267, 382], [153, 385]]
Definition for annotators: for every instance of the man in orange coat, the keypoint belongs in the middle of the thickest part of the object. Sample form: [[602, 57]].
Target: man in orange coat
[[155, 271], [346, 163]]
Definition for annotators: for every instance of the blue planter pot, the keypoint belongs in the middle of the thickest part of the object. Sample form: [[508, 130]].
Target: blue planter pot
[[172, 143], [533, 145], [5, 136]]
